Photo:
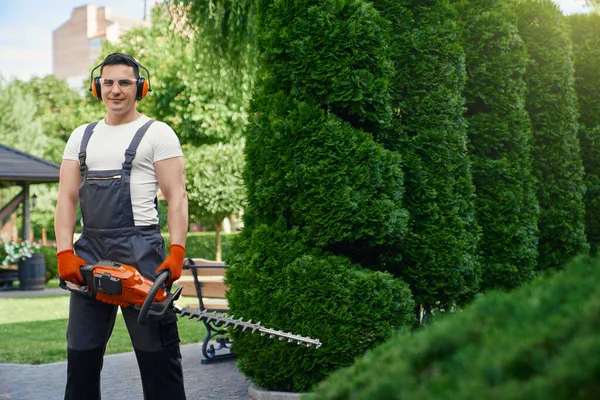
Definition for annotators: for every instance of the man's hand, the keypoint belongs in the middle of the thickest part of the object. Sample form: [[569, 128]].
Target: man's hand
[[173, 263], [69, 265]]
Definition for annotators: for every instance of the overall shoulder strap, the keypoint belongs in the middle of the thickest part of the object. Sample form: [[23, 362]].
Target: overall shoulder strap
[[84, 143], [135, 142]]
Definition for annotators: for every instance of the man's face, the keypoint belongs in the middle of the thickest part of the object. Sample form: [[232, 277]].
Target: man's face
[[118, 85]]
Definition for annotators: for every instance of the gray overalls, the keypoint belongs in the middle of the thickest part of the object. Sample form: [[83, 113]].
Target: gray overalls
[[109, 233]]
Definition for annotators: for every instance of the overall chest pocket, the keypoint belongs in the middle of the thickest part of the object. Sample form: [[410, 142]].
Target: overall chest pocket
[[100, 198]]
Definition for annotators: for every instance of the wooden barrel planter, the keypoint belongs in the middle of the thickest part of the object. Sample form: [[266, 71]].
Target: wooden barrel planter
[[32, 273]]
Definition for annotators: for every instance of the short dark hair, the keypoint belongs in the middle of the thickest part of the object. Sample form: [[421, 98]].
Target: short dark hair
[[121, 59]]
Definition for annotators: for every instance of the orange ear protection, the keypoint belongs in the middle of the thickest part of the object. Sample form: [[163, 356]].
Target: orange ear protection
[[143, 84]]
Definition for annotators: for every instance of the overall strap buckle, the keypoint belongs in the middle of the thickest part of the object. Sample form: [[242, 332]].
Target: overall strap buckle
[[135, 142]]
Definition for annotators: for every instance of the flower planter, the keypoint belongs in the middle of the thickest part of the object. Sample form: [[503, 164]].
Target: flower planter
[[32, 273]]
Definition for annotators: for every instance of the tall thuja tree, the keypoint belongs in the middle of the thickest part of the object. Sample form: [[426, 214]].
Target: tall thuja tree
[[438, 258], [552, 105], [586, 51], [500, 142], [324, 198]]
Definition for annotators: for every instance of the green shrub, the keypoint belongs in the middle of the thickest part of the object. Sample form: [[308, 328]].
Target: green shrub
[[51, 261], [438, 257], [552, 105], [204, 244], [500, 142], [537, 342], [286, 285], [586, 52], [324, 196]]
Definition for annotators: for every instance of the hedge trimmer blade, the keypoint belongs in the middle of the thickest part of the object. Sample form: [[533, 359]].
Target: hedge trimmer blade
[[222, 319]]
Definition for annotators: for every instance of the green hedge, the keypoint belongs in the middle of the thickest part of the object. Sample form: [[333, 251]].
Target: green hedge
[[586, 51], [289, 286], [204, 244], [552, 105], [540, 341], [438, 257], [324, 195], [51, 262], [500, 142]]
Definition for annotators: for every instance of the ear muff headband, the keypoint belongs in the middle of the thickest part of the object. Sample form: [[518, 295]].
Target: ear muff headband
[[143, 84]]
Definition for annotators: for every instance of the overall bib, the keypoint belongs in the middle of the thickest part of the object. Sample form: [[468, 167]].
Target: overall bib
[[109, 233]]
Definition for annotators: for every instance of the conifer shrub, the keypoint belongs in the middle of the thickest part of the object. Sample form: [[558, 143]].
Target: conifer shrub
[[287, 285], [320, 174], [536, 342], [500, 142], [586, 53], [438, 258], [324, 197], [552, 105]]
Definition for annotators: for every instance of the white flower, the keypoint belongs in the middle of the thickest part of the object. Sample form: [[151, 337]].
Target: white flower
[[15, 251]]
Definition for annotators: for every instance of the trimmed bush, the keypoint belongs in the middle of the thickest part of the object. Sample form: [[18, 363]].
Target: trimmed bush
[[438, 258], [537, 342], [204, 244], [51, 261], [286, 285], [552, 105], [500, 142], [586, 53], [320, 174], [324, 197]]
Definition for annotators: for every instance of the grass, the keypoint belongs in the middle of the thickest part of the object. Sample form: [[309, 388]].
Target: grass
[[33, 330]]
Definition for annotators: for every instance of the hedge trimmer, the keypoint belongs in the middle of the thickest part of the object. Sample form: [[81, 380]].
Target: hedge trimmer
[[122, 285]]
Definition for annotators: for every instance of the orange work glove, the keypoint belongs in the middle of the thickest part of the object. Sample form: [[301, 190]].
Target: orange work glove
[[69, 265], [174, 263]]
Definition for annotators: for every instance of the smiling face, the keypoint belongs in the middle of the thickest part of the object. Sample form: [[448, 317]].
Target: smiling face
[[119, 99]]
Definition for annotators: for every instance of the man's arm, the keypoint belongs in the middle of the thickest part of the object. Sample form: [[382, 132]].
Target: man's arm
[[171, 180], [68, 196]]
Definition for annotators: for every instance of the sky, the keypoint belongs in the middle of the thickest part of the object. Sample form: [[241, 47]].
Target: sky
[[26, 30]]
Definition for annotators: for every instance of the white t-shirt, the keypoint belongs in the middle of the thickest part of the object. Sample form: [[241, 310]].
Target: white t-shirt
[[106, 151]]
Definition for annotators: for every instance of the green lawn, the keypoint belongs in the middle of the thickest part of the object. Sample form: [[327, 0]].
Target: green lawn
[[32, 330]]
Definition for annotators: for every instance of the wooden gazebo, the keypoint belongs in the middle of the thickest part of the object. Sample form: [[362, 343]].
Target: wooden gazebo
[[21, 169]]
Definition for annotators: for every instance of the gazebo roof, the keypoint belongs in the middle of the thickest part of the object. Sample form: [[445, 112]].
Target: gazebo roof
[[17, 166]]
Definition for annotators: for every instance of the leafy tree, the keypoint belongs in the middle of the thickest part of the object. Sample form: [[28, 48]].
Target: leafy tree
[[324, 197], [19, 127], [552, 105], [60, 110], [22, 129], [594, 4], [213, 181], [438, 258], [586, 52], [500, 142]]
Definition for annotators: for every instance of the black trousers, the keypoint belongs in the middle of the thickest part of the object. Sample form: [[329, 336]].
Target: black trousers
[[91, 322]]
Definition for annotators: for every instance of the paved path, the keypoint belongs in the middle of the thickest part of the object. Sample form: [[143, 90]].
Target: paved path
[[121, 379], [120, 374]]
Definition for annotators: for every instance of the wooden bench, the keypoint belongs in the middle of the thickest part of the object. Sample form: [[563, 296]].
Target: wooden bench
[[203, 279]]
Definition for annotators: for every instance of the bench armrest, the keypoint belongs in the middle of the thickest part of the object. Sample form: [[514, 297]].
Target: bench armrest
[[189, 263]]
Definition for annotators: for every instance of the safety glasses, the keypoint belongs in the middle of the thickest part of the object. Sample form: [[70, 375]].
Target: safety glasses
[[123, 83]]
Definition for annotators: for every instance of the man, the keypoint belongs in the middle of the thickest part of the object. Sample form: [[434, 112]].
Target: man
[[114, 168]]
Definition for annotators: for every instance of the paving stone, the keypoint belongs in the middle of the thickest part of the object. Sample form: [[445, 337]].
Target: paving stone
[[121, 379]]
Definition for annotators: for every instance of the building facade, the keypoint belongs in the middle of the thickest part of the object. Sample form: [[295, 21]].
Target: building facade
[[76, 44]]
